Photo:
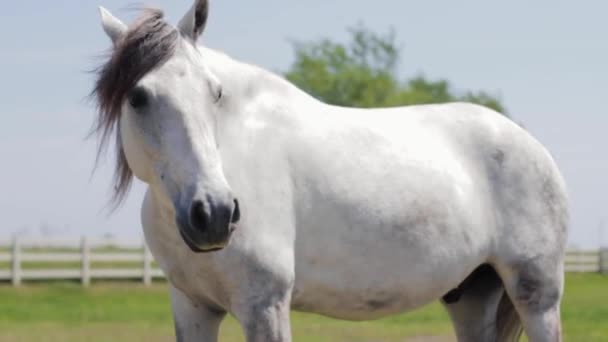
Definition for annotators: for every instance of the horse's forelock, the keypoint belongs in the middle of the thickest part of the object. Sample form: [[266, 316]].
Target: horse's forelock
[[148, 44]]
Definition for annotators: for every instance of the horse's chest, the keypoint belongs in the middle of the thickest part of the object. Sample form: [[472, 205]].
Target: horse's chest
[[185, 270]]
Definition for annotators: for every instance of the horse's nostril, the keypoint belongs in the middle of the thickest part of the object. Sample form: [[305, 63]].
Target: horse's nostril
[[198, 216], [236, 214]]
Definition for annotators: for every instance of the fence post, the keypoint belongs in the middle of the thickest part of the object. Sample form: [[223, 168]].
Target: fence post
[[147, 265], [85, 276], [581, 261], [604, 260], [16, 266]]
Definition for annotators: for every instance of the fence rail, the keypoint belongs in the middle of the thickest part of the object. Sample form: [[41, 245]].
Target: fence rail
[[85, 261], [587, 261], [89, 260]]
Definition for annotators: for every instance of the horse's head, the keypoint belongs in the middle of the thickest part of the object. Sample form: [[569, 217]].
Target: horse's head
[[163, 102]]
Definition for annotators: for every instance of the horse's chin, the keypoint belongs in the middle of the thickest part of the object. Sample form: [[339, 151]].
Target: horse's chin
[[200, 249], [217, 249]]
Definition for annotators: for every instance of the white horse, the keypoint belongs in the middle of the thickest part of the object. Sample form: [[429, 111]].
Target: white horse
[[355, 214]]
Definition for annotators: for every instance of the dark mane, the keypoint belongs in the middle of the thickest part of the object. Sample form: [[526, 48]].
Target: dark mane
[[148, 44]]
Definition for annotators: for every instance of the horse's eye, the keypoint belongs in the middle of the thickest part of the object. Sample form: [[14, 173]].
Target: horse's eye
[[219, 95], [138, 98]]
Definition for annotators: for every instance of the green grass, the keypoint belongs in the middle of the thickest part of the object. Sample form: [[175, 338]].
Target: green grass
[[585, 307], [129, 312]]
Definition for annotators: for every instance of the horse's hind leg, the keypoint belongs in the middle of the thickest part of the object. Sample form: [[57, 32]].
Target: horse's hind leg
[[194, 322], [535, 287], [474, 304]]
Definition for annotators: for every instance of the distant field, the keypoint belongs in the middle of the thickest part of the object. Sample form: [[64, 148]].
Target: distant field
[[128, 312]]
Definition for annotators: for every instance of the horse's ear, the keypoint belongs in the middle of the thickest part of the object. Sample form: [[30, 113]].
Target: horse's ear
[[193, 23], [114, 28]]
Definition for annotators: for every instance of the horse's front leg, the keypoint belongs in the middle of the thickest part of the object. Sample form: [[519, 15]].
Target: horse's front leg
[[266, 322], [264, 316], [193, 321]]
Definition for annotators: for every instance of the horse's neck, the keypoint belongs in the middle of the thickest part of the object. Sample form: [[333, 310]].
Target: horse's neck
[[250, 83]]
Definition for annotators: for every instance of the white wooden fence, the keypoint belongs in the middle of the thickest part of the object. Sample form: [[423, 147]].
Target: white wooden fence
[[89, 259], [65, 260], [587, 261]]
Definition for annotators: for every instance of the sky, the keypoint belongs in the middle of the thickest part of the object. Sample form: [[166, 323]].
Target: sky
[[547, 60]]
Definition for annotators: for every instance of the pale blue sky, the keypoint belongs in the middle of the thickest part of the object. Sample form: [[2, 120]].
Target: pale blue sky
[[548, 60]]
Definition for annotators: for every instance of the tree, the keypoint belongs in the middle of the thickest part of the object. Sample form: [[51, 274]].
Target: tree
[[363, 73]]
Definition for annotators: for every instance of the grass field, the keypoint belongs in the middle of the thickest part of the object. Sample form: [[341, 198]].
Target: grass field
[[128, 312]]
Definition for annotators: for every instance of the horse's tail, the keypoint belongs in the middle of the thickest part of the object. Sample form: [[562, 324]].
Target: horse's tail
[[508, 324]]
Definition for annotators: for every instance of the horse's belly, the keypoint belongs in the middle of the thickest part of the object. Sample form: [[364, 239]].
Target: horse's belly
[[371, 271], [362, 259], [359, 289]]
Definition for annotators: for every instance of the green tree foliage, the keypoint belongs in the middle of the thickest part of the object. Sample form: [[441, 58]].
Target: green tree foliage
[[364, 73]]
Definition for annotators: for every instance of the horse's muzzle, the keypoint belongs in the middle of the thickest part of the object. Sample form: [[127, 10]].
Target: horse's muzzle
[[206, 225]]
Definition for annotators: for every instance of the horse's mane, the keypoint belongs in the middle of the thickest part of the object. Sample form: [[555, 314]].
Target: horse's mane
[[148, 44]]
